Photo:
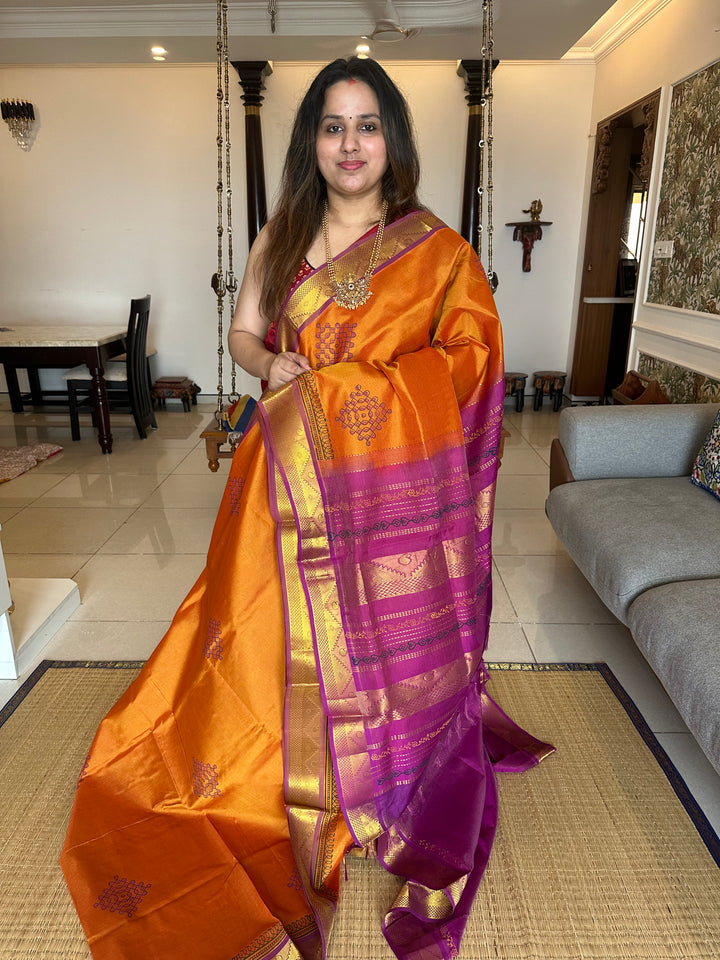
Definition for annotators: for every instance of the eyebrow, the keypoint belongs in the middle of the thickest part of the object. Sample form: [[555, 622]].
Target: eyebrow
[[360, 116]]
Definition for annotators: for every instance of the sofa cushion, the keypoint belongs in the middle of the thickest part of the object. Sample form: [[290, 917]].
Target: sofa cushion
[[677, 628], [627, 535], [706, 469], [657, 440]]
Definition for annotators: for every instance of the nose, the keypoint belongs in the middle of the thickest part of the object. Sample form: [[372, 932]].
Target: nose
[[350, 142]]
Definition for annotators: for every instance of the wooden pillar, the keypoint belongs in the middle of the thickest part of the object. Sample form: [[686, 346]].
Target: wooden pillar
[[252, 75], [471, 73]]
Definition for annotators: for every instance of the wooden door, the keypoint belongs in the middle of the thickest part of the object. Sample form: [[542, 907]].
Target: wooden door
[[606, 214]]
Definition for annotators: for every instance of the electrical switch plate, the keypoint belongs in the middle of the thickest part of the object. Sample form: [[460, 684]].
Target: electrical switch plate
[[663, 249]]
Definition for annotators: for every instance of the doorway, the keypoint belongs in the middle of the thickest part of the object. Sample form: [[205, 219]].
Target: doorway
[[616, 221]]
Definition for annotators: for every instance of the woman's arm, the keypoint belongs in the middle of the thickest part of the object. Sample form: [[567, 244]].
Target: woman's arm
[[246, 338]]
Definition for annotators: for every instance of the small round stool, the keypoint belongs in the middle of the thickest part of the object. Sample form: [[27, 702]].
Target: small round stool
[[550, 382], [515, 387]]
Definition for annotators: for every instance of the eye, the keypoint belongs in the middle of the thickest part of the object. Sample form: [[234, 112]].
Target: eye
[[369, 127], [334, 128]]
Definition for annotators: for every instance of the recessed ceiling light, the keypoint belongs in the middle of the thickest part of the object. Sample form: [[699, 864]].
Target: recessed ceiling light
[[362, 48], [159, 58], [159, 50]]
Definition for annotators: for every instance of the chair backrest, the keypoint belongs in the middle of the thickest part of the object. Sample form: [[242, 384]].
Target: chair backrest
[[137, 370]]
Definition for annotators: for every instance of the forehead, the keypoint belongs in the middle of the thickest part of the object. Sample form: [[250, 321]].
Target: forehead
[[350, 98]]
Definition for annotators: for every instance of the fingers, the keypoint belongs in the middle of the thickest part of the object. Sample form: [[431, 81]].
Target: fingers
[[285, 367]]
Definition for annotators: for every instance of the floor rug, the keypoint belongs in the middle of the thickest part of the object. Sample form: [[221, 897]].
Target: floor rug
[[15, 461], [601, 853]]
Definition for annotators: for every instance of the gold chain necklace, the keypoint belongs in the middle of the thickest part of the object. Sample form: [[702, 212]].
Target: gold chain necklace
[[352, 292]]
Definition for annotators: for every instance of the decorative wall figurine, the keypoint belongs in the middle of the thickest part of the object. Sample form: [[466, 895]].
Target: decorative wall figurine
[[528, 231]]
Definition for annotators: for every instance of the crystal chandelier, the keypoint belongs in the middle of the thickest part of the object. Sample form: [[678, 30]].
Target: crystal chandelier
[[19, 115]]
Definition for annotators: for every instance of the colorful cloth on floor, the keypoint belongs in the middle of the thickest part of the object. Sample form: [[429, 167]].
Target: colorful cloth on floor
[[322, 686]]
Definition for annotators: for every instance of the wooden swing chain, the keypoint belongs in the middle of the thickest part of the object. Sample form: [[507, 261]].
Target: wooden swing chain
[[231, 281], [486, 141], [223, 284]]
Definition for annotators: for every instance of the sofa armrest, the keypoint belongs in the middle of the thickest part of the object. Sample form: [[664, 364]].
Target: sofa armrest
[[560, 471], [634, 441]]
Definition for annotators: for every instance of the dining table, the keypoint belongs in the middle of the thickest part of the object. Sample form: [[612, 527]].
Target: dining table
[[31, 347]]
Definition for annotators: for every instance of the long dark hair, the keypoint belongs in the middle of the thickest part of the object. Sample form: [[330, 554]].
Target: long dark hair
[[298, 213]]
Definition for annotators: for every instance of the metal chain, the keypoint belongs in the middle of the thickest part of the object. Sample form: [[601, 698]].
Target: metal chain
[[218, 282], [481, 142], [485, 145], [223, 283], [230, 281], [492, 276]]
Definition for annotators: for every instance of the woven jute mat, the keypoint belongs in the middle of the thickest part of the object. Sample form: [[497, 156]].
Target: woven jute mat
[[596, 856]]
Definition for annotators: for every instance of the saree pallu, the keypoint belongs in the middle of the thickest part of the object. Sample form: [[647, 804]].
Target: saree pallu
[[322, 686]]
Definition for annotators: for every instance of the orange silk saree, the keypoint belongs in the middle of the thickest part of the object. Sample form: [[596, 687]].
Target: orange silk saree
[[322, 686]]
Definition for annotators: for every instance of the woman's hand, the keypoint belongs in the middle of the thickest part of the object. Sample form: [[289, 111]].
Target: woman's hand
[[285, 367]]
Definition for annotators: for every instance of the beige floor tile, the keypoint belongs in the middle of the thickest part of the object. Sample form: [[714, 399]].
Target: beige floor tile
[[24, 433], [180, 425], [75, 457], [537, 433], [611, 644], [59, 530], [99, 491], [513, 437], [7, 512], [196, 462], [550, 589], [106, 640], [508, 644], [696, 770], [517, 492], [193, 490], [502, 609], [55, 565], [523, 532], [522, 459], [156, 530], [130, 456], [130, 588], [26, 488]]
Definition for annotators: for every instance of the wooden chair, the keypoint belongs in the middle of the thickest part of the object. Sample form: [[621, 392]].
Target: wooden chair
[[127, 383]]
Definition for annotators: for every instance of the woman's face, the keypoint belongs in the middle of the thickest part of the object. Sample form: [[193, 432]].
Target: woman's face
[[350, 144]]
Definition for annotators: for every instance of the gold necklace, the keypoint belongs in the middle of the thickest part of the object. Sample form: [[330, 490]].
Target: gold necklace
[[352, 292]]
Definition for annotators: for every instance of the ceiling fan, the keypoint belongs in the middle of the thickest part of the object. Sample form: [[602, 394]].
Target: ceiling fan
[[388, 28]]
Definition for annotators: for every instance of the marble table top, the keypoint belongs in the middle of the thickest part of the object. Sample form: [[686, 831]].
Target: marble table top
[[56, 335]]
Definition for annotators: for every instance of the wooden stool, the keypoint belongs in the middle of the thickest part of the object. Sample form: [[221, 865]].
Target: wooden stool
[[515, 387], [175, 388], [550, 382]]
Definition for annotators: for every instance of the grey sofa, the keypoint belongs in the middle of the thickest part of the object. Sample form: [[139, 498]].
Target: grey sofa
[[648, 540]]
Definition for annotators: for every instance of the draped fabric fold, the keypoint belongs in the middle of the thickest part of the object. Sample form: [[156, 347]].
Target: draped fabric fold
[[322, 686]]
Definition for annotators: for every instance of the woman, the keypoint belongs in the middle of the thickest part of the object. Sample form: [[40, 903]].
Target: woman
[[322, 686]]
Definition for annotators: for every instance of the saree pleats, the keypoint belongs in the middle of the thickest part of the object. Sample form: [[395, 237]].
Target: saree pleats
[[322, 687]]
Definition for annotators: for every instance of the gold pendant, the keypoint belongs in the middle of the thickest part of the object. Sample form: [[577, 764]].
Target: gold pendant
[[352, 293]]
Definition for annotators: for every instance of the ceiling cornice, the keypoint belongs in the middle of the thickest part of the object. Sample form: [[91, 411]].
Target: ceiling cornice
[[298, 18], [617, 32]]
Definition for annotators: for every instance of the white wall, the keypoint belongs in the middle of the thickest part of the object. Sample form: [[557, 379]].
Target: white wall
[[678, 41], [541, 127], [117, 196], [115, 199]]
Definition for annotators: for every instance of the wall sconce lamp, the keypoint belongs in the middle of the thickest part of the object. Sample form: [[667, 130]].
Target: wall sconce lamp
[[19, 115], [528, 231]]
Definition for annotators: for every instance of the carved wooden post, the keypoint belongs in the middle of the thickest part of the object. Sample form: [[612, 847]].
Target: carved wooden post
[[471, 72], [252, 74]]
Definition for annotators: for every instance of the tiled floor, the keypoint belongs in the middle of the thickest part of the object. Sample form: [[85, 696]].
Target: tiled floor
[[132, 530]]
